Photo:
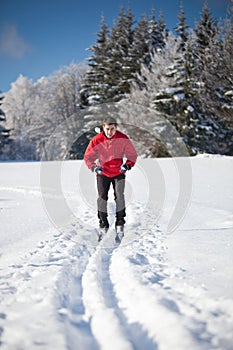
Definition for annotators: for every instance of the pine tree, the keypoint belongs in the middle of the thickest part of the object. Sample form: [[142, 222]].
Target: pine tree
[[118, 55], [95, 85], [197, 47], [206, 31], [182, 28], [172, 98], [209, 86], [162, 32], [156, 38], [175, 95], [140, 49], [216, 93], [218, 75], [157, 32], [120, 72]]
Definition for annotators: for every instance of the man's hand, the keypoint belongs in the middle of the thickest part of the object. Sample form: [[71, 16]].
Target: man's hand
[[97, 169], [125, 167]]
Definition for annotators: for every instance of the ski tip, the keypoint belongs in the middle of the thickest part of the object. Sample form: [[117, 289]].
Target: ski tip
[[101, 233], [119, 238]]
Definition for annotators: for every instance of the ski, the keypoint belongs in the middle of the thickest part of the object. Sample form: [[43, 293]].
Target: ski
[[119, 234], [101, 232]]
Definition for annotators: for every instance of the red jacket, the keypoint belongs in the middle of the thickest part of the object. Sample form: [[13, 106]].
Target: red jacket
[[109, 153]]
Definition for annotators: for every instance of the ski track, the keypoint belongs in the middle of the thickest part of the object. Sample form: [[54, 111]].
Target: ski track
[[108, 296], [132, 298], [164, 299]]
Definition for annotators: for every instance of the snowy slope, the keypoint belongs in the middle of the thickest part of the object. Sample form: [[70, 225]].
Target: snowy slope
[[168, 285]]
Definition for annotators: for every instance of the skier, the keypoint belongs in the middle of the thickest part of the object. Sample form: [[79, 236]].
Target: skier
[[104, 156]]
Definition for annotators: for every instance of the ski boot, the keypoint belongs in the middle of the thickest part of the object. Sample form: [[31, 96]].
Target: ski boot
[[119, 227], [103, 229]]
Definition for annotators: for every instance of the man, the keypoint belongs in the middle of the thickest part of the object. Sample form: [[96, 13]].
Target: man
[[104, 156]]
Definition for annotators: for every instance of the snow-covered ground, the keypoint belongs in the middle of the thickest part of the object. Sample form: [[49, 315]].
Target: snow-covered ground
[[168, 285]]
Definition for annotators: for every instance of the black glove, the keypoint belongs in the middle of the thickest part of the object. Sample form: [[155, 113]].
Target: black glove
[[97, 169], [125, 167]]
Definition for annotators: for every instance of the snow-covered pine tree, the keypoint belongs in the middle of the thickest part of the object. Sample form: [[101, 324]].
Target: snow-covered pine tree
[[186, 109], [139, 51], [206, 30], [157, 32], [118, 55], [121, 71], [95, 84], [216, 93], [182, 28], [211, 134], [173, 98], [162, 32], [149, 37], [226, 67]]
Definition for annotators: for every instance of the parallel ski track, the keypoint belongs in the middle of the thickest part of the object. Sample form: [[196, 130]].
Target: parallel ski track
[[102, 305], [144, 300], [99, 298]]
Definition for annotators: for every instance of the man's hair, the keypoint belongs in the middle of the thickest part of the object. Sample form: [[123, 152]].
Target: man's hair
[[110, 121]]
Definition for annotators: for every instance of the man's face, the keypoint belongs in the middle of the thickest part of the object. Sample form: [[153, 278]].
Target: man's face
[[109, 130]]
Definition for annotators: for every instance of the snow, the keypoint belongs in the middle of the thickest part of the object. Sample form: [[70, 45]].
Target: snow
[[229, 93], [168, 285], [189, 109], [178, 97]]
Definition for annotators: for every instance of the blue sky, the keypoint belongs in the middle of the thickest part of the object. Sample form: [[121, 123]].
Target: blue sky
[[37, 37]]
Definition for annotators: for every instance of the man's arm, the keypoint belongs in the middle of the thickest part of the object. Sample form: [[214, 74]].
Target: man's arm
[[90, 155], [130, 153]]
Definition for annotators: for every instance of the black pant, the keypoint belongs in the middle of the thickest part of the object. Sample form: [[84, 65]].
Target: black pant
[[103, 186]]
